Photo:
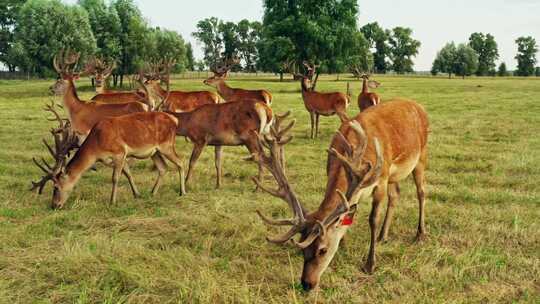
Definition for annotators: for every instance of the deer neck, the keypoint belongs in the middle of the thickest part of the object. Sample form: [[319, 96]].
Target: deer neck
[[183, 122], [224, 90], [80, 163], [101, 90], [365, 86], [71, 100]]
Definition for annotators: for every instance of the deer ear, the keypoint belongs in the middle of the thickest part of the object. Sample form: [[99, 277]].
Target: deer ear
[[76, 76]]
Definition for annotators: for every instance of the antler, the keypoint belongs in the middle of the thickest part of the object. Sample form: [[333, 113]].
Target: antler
[[64, 59], [164, 71], [96, 65], [274, 162], [220, 69], [65, 140]]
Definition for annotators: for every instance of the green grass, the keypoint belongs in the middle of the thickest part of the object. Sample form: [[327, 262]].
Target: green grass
[[483, 211]]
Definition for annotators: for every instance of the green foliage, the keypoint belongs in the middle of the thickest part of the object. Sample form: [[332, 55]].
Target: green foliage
[[208, 35], [378, 39], [9, 10], [105, 24], [502, 71], [537, 72], [190, 59], [248, 35], [486, 48], [403, 49], [45, 27], [163, 43], [322, 32], [526, 56], [445, 60], [466, 60]]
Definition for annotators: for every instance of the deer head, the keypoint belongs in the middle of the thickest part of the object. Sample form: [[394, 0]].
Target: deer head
[[65, 64], [221, 70], [65, 141], [319, 235], [154, 74], [99, 69]]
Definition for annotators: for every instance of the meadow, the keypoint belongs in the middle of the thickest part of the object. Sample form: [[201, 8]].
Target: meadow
[[482, 216]]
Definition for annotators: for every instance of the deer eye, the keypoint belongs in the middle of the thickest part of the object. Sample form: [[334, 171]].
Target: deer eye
[[322, 251]]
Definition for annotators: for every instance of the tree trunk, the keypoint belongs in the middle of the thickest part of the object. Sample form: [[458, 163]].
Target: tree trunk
[[280, 76], [93, 84], [121, 80], [449, 75]]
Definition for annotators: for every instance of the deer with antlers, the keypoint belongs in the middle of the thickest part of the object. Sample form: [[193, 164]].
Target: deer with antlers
[[111, 141], [178, 101], [368, 156], [367, 99], [224, 124], [325, 104], [84, 115], [233, 94]]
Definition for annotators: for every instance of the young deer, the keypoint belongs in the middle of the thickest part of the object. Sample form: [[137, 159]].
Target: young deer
[[111, 141], [84, 115], [367, 99], [225, 124], [178, 101], [325, 104], [368, 156], [234, 94]]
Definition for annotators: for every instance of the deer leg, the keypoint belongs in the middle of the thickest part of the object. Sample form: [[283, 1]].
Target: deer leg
[[393, 197], [197, 149], [161, 167], [312, 116], [170, 154], [218, 154], [378, 196], [118, 165], [419, 180], [129, 177], [255, 150], [317, 125]]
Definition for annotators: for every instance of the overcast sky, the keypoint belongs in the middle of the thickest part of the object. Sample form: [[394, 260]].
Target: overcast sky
[[434, 22]]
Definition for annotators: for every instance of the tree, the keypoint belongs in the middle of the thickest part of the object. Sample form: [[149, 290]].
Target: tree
[[377, 38], [537, 72], [526, 56], [208, 34], [320, 32], [229, 36], [248, 34], [9, 9], [163, 43], [276, 54], [486, 48], [190, 59], [503, 72], [466, 61], [445, 60], [403, 48], [58, 26], [106, 27]]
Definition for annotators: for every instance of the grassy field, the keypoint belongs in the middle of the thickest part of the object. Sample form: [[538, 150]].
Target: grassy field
[[483, 211]]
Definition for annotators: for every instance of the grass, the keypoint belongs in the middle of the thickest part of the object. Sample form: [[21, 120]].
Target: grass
[[483, 211]]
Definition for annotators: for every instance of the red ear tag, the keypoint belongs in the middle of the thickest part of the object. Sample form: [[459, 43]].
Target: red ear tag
[[347, 221]]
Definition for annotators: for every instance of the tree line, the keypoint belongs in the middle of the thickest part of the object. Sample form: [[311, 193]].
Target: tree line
[[478, 56]]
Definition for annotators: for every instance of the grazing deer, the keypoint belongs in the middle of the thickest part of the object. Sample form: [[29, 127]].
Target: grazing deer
[[224, 124], [368, 156], [367, 99], [111, 141], [325, 104], [178, 101], [234, 94], [84, 115]]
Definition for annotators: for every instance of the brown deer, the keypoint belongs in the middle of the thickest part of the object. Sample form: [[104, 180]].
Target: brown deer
[[178, 101], [224, 124], [234, 94], [368, 156], [84, 115], [367, 99], [326, 104], [111, 141]]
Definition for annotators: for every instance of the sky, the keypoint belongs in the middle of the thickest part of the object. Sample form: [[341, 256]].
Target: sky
[[434, 22]]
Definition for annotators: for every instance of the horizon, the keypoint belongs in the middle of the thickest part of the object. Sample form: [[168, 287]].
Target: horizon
[[481, 16]]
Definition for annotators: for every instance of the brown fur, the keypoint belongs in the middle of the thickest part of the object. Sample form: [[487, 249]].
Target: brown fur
[[325, 104], [225, 124], [367, 99], [179, 101], [401, 128], [235, 94], [112, 140], [119, 97]]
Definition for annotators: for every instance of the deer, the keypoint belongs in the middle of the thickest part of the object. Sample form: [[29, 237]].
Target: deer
[[225, 124], [369, 156], [367, 99], [178, 101], [111, 141], [326, 104], [84, 115], [233, 94]]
